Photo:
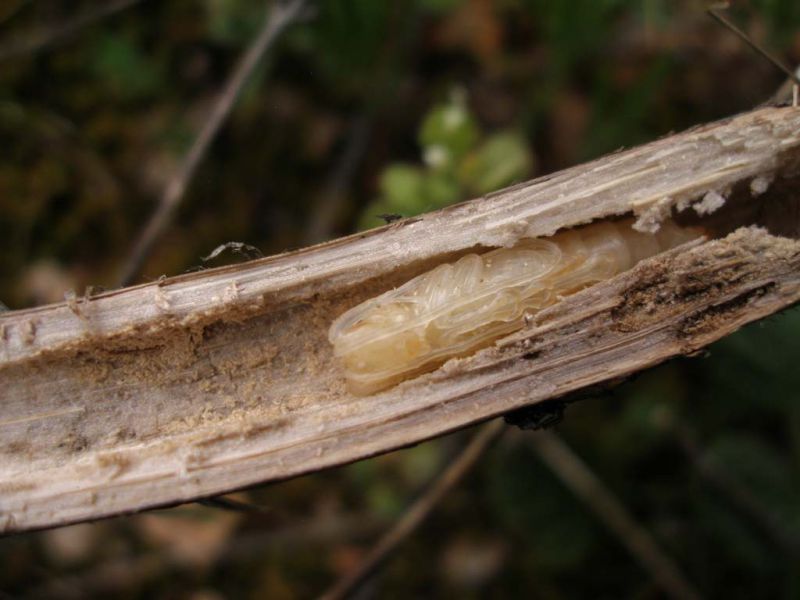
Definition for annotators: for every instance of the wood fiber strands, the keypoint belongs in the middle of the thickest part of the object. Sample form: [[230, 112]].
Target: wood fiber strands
[[200, 384]]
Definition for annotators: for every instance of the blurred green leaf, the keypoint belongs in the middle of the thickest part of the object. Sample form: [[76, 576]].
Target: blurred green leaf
[[402, 188], [408, 191], [447, 133], [500, 161], [440, 190], [455, 167], [125, 70]]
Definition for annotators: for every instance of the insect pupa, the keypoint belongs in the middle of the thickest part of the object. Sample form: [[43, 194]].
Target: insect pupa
[[457, 308]]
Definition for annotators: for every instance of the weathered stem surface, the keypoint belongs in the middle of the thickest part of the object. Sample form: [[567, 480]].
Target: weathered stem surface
[[208, 382]]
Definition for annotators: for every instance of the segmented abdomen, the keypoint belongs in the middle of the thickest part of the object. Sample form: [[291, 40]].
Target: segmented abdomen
[[457, 308]]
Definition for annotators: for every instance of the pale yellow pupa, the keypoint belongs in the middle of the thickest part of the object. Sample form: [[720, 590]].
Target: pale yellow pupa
[[457, 308]]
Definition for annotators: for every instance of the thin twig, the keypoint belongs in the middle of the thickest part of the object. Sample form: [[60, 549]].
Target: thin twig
[[242, 314], [574, 473], [417, 512], [723, 20], [280, 17], [62, 31]]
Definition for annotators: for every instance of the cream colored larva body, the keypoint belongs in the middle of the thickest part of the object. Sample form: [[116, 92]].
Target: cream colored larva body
[[457, 308]]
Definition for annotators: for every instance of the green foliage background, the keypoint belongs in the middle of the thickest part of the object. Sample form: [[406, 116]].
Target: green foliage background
[[442, 100]]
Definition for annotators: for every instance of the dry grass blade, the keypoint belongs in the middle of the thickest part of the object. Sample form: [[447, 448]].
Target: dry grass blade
[[201, 384]]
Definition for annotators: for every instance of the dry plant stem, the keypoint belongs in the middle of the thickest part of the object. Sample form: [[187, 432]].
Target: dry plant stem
[[280, 17], [415, 514], [41, 39], [574, 473], [198, 385]]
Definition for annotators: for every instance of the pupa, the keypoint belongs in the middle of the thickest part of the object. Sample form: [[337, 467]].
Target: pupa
[[457, 308]]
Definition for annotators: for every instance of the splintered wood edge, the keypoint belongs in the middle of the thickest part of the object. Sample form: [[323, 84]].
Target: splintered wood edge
[[209, 382]]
